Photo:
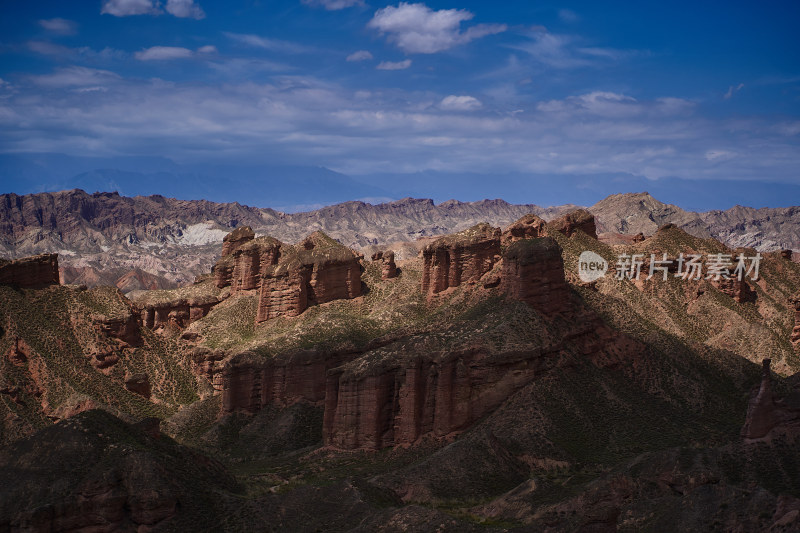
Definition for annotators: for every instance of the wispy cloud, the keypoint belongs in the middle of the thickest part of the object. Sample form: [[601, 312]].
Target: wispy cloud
[[177, 8], [360, 55], [733, 89], [333, 5], [59, 26], [162, 53], [460, 103], [567, 51], [416, 28], [76, 76], [394, 65], [568, 15], [125, 8], [275, 45]]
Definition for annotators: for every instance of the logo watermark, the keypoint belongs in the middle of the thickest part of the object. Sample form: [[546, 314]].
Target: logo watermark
[[592, 266]]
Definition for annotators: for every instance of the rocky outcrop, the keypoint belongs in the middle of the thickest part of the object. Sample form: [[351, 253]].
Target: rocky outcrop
[[768, 416], [315, 271], [388, 266], [795, 338], [460, 258], [528, 227], [533, 271], [738, 289], [30, 272], [250, 382], [178, 313], [138, 383], [236, 238], [245, 260], [124, 328], [786, 254], [576, 220], [208, 364]]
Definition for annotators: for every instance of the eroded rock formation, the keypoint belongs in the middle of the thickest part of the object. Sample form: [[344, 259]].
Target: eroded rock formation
[[179, 312], [30, 272], [738, 289], [460, 258], [246, 262], [795, 338], [573, 221], [533, 271], [388, 266], [315, 271], [250, 382], [528, 227], [434, 395]]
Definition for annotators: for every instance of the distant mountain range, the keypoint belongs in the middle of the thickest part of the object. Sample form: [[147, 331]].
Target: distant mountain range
[[157, 242], [304, 188]]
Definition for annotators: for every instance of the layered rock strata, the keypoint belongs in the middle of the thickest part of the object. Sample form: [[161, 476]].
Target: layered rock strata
[[398, 395], [460, 258], [533, 272], [250, 382], [433, 395], [315, 271], [30, 272]]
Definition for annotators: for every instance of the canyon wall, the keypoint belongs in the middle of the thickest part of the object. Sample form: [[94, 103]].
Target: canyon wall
[[533, 272], [30, 272], [459, 258]]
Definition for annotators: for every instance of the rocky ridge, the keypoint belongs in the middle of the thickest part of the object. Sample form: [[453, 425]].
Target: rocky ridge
[[156, 242]]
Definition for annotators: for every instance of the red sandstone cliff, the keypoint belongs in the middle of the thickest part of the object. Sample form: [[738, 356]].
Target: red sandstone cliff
[[315, 271], [533, 271], [30, 272], [250, 382], [795, 338], [460, 258]]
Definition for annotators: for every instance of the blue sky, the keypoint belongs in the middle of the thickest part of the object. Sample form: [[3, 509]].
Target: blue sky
[[691, 90]]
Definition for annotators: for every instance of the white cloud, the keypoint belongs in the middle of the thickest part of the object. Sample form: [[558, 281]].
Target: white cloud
[[163, 53], [732, 90], [207, 49], [416, 28], [275, 45], [361, 55], [124, 8], [295, 118], [76, 76], [394, 65], [59, 26], [460, 103], [185, 9], [333, 5]]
